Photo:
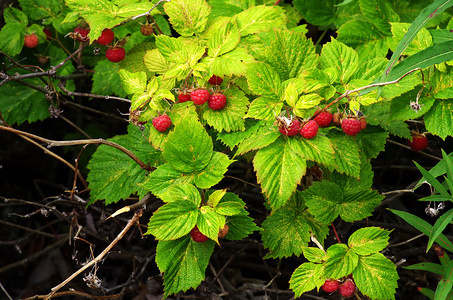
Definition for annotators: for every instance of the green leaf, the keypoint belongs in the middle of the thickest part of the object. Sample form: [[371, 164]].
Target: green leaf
[[377, 13], [368, 240], [320, 13], [339, 261], [439, 119], [132, 82], [156, 62], [234, 138], [188, 147], [263, 137], [181, 191], [359, 205], [260, 19], [183, 263], [19, 103], [12, 38], [106, 80], [264, 108], [421, 41], [323, 199], [373, 142], [114, 175], [213, 172], [231, 117], [439, 226], [224, 39], [314, 254], [230, 205], [424, 227], [240, 226], [173, 220], [279, 171], [263, 80], [41, 9], [290, 54], [305, 278], [232, 63], [432, 181], [215, 197], [340, 58], [318, 149], [164, 177], [14, 15], [376, 276], [347, 158], [427, 266], [286, 232], [431, 11], [210, 222], [188, 17], [444, 288]]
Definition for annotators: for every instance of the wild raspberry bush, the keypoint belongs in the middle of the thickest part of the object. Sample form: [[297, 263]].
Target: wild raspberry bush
[[218, 166]]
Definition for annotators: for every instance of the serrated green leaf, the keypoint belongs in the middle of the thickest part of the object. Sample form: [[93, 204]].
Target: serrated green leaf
[[376, 276], [323, 200], [181, 191], [230, 205], [234, 138], [347, 159], [378, 13], [263, 137], [343, 59], [260, 19], [41, 9], [240, 226], [263, 80], [210, 222], [305, 278], [231, 63], [188, 147], [224, 39], [156, 62], [279, 171], [173, 220], [373, 142], [215, 197], [339, 261], [14, 15], [314, 254], [213, 172], [320, 13], [286, 232], [306, 102], [106, 80], [183, 263], [290, 54], [188, 17], [163, 177], [114, 175], [368, 240], [439, 119], [19, 103], [359, 205], [231, 117], [135, 55], [318, 149], [132, 82], [264, 108], [12, 38], [290, 94]]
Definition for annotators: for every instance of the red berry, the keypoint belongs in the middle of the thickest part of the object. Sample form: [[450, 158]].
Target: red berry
[[351, 126], [223, 231], [48, 33], [199, 96], [31, 40], [183, 98], [106, 37], [197, 236], [330, 286], [81, 34], [418, 143], [217, 101], [347, 288], [363, 123], [115, 54], [147, 29], [292, 129], [310, 129], [324, 119], [162, 123], [215, 80]]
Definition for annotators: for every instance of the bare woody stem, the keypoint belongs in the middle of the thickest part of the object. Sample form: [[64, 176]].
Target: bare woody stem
[[98, 258], [52, 143], [148, 12]]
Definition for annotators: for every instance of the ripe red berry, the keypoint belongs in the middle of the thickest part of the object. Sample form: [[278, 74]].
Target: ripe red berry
[[31, 40], [347, 288], [324, 118], [223, 231], [183, 98], [330, 286], [351, 126], [197, 236], [106, 37], [215, 80], [146, 29], [310, 129], [162, 123], [48, 33], [418, 143], [292, 129], [217, 101], [199, 96], [81, 34], [115, 54]]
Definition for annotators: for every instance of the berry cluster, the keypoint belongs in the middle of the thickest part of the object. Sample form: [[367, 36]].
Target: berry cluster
[[200, 96], [346, 289], [307, 130]]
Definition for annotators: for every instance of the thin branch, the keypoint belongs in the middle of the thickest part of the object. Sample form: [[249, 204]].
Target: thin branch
[[72, 292], [98, 258], [89, 95], [52, 143], [421, 152], [147, 13], [27, 229]]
